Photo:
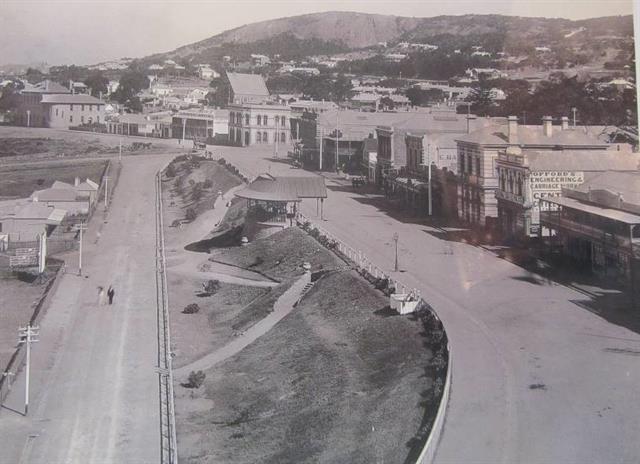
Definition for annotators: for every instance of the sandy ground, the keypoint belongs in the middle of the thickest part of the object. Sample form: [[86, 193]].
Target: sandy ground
[[95, 385], [537, 377], [16, 308]]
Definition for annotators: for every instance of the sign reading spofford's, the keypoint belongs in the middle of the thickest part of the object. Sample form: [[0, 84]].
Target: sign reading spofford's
[[545, 184]]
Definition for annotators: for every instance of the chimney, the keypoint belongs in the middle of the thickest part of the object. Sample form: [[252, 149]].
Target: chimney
[[547, 126], [565, 122], [512, 129], [470, 121], [76, 182]]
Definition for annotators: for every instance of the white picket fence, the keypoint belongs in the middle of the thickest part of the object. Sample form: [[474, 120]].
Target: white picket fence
[[360, 259]]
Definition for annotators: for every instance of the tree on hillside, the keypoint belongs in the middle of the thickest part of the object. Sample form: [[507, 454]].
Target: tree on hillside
[[131, 83], [34, 75], [97, 83], [220, 90], [480, 98], [9, 98]]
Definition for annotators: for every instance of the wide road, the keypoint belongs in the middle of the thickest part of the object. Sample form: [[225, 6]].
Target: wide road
[[536, 377], [95, 385]]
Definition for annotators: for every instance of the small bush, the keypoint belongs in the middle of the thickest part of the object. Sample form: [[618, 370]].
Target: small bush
[[210, 287], [257, 262], [195, 379], [192, 308], [207, 184], [191, 214], [170, 171]]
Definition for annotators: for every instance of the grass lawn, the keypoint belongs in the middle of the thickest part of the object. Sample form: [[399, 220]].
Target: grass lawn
[[194, 335], [337, 380], [17, 301], [195, 183], [22, 180], [281, 255]]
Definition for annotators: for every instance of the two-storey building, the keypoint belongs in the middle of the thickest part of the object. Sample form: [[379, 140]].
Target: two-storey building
[[478, 154], [526, 177], [256, 124]]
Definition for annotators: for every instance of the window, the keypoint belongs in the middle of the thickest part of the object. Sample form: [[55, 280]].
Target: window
[[71, 107], [462, 164], [259, 119], [470, 164], [246, 119], [98, 119], [282, 120], [478, 166], [519, 186], [56, 111], [81, 119], [258, 135], [232, 116], [247, 139], [265, 120], [265, 137], [71, 118], [283, 137], [81, 107], [277, 120]]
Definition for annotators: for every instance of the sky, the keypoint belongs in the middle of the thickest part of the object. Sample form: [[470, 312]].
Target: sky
[[92, 31]]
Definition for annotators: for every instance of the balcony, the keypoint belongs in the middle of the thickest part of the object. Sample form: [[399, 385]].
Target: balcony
[[512, 197], [554, 220]]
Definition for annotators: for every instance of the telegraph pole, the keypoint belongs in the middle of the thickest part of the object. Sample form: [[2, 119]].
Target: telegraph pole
[[106, 192], [80, 227], [27, 335], [42, 252], [321, 137], [337, 111], [395, 239]]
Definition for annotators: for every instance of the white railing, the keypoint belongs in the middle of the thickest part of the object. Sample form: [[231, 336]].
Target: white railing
[[168, 438], [428, 452]]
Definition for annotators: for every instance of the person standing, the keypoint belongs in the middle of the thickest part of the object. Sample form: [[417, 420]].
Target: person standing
[[101, 296], [111, 293]]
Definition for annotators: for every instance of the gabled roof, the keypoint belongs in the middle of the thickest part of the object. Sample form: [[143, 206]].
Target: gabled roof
[[73, 99], [52, 194], [87, 185], [497, 134], [583, 160], [39, 211], [61, 185], [268, 188], [46, 87], [626, 184], [248, 84]]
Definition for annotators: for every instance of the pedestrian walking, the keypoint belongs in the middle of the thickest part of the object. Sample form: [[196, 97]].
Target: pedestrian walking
[[111, 293], [102, 297]]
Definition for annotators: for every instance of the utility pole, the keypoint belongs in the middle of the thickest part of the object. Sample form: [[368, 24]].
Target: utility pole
[[321, 137], [184, 130], [80, 227], [337, 111], [395, 239], [42, 252], [27, 335], [106, 192], [574, 110]]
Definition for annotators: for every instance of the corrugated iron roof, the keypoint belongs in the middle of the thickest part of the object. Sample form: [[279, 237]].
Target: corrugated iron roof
[[583, 160], [71, 99], [614, 214], [248, 84], [268, 188]]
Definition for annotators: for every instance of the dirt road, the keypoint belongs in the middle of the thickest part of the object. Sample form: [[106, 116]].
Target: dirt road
[[95, 385]]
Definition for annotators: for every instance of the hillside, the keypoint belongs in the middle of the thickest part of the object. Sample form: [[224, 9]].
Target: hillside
[[333, 32]]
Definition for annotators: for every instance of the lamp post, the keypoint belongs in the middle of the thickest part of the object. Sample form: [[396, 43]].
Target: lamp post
[[395, 239]]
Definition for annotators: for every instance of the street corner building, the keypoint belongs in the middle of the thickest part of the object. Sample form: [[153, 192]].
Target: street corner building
[[478, 154]]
